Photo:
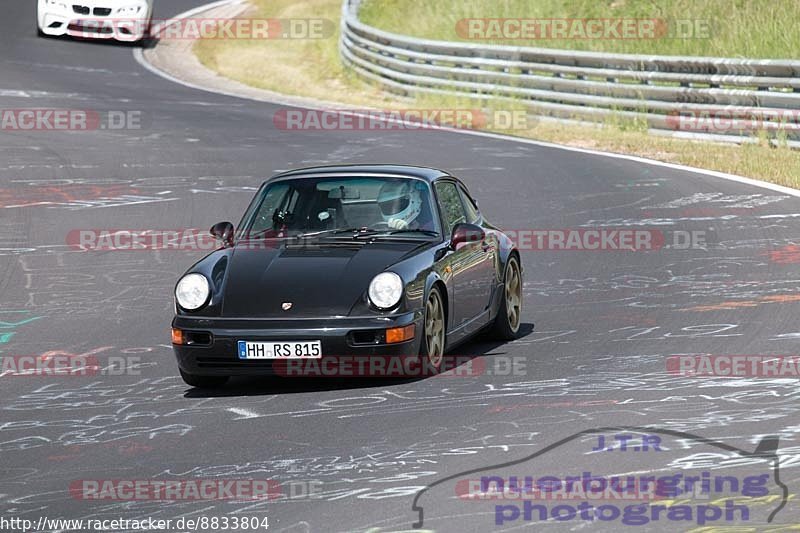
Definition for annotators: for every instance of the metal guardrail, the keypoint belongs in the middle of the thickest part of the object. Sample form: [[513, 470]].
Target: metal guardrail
[[706, 97]]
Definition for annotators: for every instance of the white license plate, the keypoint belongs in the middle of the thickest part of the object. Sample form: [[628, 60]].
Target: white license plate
[[280, 350]]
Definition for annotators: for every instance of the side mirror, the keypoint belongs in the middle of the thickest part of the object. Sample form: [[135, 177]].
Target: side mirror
[[224, 232], [465, 234]]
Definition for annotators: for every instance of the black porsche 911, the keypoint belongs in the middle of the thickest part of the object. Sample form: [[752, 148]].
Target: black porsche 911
[[376, 261]]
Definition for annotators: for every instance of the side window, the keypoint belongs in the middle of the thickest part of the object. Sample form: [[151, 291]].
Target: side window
[[274, 198], [450, 205], [473, 215]]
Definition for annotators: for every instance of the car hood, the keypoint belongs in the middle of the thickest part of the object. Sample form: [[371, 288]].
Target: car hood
[[109, 3], [113, 4], [318, 281]]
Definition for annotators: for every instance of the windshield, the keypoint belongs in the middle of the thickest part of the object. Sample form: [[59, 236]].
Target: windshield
[[340, 205]]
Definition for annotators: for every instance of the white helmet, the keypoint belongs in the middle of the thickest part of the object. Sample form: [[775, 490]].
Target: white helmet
[[400, 203]]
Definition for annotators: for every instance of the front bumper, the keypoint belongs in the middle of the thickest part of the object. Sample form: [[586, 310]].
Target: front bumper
[[215, 351], [57, 22]]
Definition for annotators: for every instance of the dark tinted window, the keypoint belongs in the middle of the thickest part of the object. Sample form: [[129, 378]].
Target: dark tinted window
[[450, 205]]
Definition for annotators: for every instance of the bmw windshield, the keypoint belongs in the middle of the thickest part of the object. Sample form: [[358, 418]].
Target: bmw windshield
[[348, 207]]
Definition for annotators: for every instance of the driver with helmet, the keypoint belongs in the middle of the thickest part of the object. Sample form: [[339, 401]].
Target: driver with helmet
[[400, 204]]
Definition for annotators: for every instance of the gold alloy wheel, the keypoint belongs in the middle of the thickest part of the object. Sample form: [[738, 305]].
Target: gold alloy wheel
[[513, 294], [434, 328]]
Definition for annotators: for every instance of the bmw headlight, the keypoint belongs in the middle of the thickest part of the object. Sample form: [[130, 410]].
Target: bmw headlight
[[385, 290], [192, 291]]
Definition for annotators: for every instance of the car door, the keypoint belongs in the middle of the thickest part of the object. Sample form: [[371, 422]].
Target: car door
[[490, 244], [471, 264]]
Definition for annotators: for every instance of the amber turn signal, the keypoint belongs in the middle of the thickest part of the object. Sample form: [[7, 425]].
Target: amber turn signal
[[396, 335], [177, 336]]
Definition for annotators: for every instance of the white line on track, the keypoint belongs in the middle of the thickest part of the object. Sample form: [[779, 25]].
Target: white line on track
[[322, 106], [243, 413]]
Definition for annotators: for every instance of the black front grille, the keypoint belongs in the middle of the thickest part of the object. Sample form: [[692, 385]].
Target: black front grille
[[81, 10], [102, 11], [88, 29], [232, 363], [197, 338], [369, 336]]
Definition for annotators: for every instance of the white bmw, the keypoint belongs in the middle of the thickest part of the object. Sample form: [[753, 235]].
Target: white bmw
[[123, 20]]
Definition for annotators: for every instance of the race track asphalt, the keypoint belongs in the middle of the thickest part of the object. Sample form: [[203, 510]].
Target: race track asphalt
[[605, 321]]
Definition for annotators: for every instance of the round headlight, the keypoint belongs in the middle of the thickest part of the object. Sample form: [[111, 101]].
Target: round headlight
[[385, 290], [192, 291]]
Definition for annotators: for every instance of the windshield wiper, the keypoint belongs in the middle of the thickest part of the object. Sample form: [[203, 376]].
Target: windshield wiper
[[357, 232], [418, 230], [384, 233], [398, 232]]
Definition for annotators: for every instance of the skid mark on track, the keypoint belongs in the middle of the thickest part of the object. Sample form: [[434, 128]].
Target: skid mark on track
[[786, 255], [718, 199], [743, 304]]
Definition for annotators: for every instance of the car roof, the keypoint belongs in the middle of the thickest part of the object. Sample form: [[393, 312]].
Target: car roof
[[426, 173]]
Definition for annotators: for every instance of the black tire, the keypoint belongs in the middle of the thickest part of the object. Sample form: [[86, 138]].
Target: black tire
[[434, 332], [203, 382], [506, 324]]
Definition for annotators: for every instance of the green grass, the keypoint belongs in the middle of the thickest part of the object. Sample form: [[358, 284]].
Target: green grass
[[737, 28], [312, 68], [307, 67]]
